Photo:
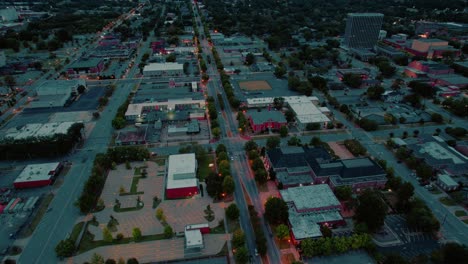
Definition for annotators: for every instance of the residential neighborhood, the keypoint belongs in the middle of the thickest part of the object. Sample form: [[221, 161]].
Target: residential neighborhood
[[206, 131]]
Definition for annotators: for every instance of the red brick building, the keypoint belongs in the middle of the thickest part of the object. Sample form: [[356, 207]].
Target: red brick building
[[264, 120]]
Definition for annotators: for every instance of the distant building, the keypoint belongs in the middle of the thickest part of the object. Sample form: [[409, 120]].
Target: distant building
[[432, 48], [55, 93], [340, 73], [194, 235], [86, 66], [295, 166], [309, 208], [38, 130], [420, 69], [163, 69], [181, 179], [452, 80], [264, 120], [140, 110], [135, 137], [362, 30], [37, 175], [437, 154], [446, 182], [303, 107], [8, 14]]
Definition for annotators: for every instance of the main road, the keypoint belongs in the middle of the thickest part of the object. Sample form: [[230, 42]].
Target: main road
[[59, 221], [245, 183]]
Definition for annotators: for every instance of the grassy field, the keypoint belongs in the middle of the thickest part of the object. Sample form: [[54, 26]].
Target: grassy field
[[447, 201], [219, 229], [460, 213], [203, 167], [133, 187], [38, 217], [88, 243], [128, 209], [76, 231], [254, 85]]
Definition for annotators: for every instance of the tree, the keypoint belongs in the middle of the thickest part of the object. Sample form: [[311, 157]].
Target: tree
[[343, 193], [160, 214], [10, 81], [283, 131], [228, 185], [168, 232], [118, 122], [368, 125], [220, 148], [110, 261], [278, 103], [404, 193], [232, 211], [249, 58], [273, 142], [250, 145], [289, 115], [375, 92], [106, 235], [136, 233], [450, 253], [352, 80], [282, 231], [326, 231], [394, 259], [65, 248], [279, 72], [81, 89], [241, 255], [294, 141], [371, 210], [238, 238], [132, 261], [171, 58], [261, 176], [216, 132], [436, 117], [276, 211], [97, 259]]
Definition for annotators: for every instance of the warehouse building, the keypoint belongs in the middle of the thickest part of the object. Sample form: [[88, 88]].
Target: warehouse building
[[163, 69], [182, 176], [37, 175]]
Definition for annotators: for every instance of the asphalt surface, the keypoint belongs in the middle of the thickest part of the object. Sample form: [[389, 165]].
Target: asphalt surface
[[58, 222], [235, 145]]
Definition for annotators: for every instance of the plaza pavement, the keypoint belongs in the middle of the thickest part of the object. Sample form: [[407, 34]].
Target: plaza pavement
[[155, 251]]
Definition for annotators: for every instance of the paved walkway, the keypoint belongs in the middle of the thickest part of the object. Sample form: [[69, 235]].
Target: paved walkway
[[159, 250]]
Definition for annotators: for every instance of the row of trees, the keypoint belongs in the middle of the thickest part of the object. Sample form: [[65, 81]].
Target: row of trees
[[355, 147], [102, 163], [423, 170], [221, 183], [41, 147], [256, 162], [335, 245], [119, 120], [213, 113]]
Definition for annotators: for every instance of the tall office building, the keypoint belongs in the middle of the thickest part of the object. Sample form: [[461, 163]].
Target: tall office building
[[362, 30]]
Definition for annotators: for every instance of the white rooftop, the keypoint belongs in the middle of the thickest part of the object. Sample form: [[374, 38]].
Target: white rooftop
[[168, 66], [37, 172], [193, 238], [310, 197], [181, 171], [54, 87], [38, 130], [135, 109], [447, 180], [306, 225]]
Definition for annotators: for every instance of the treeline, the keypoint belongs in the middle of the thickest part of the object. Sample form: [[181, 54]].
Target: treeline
[[335, 245], [213, 113], [41, 147], [102, 163], [221, 183]]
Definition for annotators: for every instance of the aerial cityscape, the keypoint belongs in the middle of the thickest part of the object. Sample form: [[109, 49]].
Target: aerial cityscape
[[234, 131]]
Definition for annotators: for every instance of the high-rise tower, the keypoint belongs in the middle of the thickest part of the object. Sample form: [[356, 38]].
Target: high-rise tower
[[362, 30]]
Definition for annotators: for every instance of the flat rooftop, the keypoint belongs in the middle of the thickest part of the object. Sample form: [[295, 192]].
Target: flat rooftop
[[365, 14], [38, 130], [37, 172], [168, 66], [306, 225], [193, 238], [182, 171], [310, 197], [85, 63], [136, 109]]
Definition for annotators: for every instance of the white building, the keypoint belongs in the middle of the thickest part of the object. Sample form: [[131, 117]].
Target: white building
[[38, 130], [182, 176], [135, 111], [163, 69], [304, 108], [55, 93], [8, 14], [446, 182]]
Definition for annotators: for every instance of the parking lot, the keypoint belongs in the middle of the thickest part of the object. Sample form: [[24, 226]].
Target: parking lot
[[413, 241]]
